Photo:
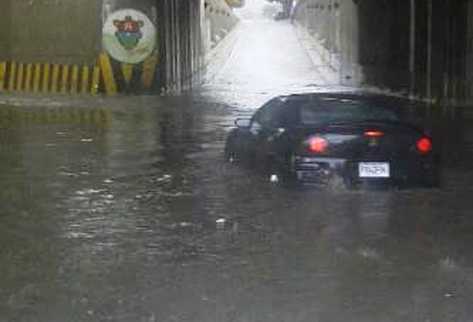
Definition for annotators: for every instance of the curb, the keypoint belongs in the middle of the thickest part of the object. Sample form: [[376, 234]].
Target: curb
[[321, 58], [67, 101], [224, 48]]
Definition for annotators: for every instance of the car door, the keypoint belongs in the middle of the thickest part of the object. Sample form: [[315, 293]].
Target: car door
[[264, 129]]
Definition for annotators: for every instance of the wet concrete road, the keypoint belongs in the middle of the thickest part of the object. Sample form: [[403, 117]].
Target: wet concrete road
[[109, 213]]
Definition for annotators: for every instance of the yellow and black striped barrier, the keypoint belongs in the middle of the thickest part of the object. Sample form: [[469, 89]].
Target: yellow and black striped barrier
[[147, 69], [75, 79], [48, 78]]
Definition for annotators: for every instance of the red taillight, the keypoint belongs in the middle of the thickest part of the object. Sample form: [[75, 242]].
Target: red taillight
[[424, 145], [374, 134], [318, 144]]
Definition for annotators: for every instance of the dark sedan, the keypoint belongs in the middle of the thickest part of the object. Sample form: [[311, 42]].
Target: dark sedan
[[324, 137]]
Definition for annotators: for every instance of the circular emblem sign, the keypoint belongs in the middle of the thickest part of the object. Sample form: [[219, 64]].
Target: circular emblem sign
[[129, 36]]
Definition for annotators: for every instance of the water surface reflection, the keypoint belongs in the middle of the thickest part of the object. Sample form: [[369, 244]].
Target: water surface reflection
[[117, 221]]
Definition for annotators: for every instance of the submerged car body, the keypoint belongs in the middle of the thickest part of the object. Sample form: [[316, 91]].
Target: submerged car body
[[317, 138]]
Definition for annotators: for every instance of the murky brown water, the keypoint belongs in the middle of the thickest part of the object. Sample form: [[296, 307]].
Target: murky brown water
[[113, 217]]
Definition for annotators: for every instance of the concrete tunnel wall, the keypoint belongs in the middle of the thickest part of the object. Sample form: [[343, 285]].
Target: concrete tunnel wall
[[335, 26], [420, 48], [219, 21], [42, 33], [369, 41], [5, 26], [36, 31], [191, 29]]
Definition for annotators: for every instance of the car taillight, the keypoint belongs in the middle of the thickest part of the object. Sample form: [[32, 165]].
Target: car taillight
[[374, 134], [424, 145], [318, 144]]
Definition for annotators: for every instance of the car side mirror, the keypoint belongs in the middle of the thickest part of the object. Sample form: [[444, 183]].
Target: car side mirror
[[242, 123]]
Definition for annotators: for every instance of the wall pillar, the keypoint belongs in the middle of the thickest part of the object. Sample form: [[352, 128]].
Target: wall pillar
[[350, 71], [5, 30]]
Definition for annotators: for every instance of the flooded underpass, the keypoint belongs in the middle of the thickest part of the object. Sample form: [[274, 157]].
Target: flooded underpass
[[126, 211]]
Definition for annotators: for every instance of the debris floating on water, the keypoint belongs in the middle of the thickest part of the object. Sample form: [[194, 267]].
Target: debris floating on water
[[221, 223]]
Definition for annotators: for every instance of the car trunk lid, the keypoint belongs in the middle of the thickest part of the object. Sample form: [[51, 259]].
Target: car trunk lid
[[359, 141]]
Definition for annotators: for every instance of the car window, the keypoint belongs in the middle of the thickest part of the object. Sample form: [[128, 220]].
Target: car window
[[323, 111], [289, 116], [275, 114], [269, 115]]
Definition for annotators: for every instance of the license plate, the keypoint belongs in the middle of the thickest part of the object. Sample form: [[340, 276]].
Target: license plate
[[374, 170]]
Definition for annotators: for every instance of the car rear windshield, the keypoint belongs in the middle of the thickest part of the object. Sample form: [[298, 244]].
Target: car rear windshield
[[329, 111]]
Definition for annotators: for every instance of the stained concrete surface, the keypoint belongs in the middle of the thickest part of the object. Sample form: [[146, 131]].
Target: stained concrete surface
[[111, 210]]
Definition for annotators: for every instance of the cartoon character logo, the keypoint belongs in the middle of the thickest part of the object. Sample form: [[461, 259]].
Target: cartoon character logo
[[129, 36], [128, 32]]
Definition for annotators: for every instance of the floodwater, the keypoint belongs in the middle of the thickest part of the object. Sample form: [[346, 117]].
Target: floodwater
[[127, 212]]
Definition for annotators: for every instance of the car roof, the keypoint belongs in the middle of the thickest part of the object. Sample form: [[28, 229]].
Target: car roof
[[379, 99]]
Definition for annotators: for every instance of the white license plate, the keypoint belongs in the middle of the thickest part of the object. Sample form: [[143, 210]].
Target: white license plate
[[374, 170]]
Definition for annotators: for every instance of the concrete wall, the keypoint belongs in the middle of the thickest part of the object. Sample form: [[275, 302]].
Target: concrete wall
[[40, 33], [421, 48], [416, 47], [235, 3], [335, 26], [5, 26], [469, 51], [219, 21], [187, 31], [192, 30], [181, 43], [65, 31], [384, 43]]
